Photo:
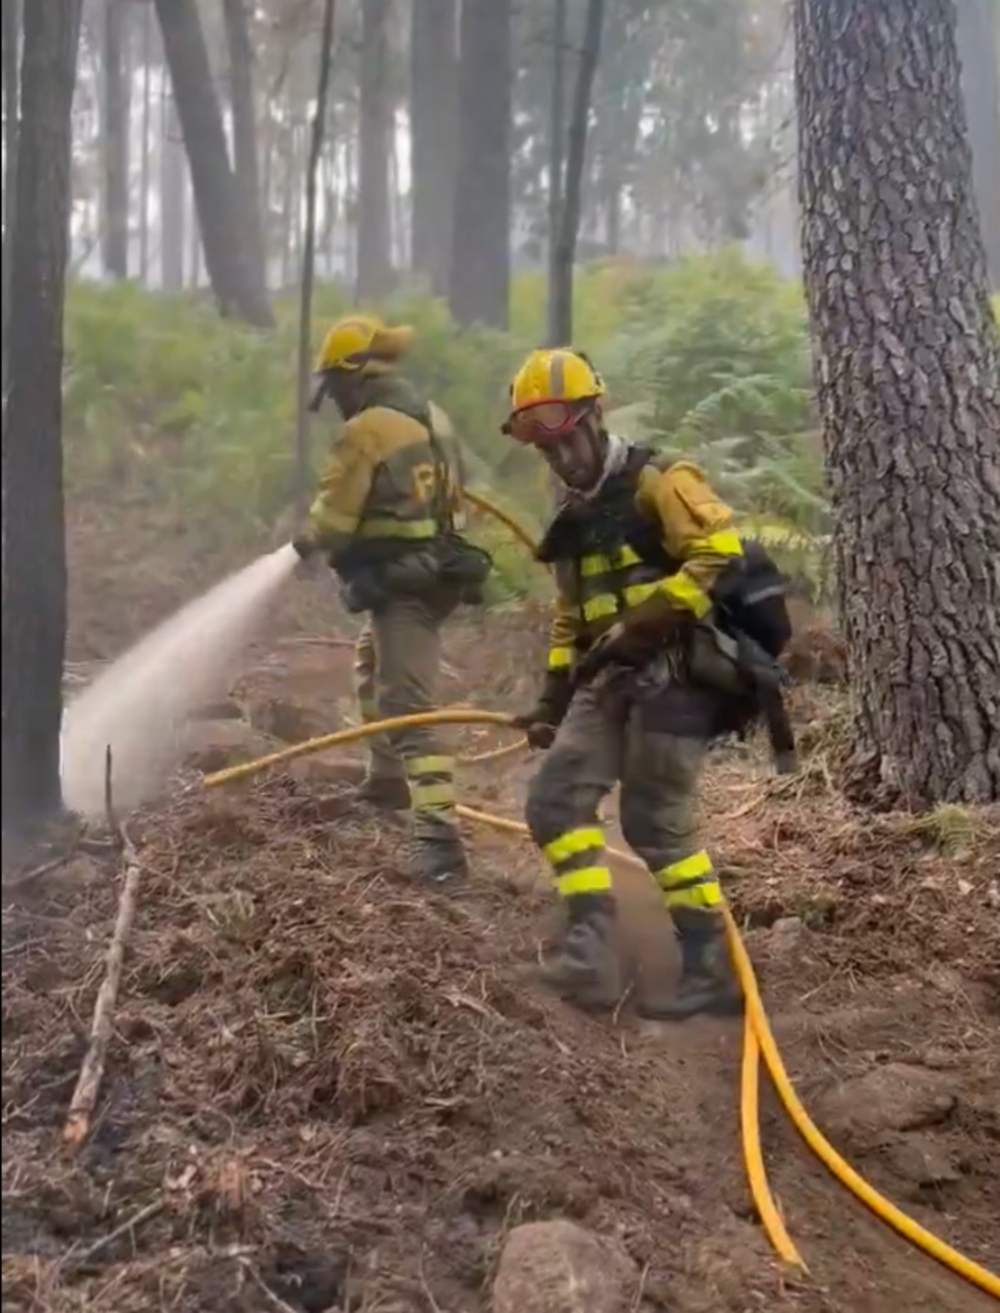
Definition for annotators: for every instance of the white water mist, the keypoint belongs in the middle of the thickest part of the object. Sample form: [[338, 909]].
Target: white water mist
[[143, 702]]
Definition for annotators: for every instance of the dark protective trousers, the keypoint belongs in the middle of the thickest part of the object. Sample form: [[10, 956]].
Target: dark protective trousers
[[654, 744], [397, 669]]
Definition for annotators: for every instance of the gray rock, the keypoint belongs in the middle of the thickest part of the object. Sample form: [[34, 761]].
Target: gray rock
[[893, 1097], [559, 1267]]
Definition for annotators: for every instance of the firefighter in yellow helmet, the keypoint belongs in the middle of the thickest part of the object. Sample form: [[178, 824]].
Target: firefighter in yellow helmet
[[634, 686], [388, 517]]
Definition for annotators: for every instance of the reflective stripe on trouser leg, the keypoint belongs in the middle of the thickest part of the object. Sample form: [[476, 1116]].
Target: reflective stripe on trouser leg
[[691, 882], [577, 860], [432, 791]]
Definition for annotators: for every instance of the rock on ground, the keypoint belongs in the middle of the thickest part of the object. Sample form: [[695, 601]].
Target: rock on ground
[[559, 1267], [893, 1097]]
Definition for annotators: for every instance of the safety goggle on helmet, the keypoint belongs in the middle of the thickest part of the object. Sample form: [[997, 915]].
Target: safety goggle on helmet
[[549, 394]]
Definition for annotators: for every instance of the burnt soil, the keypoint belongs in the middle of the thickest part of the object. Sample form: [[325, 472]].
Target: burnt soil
[[331, 1090]]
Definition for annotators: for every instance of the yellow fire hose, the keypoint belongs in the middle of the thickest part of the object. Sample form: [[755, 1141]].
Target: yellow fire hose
[[758, 1038]]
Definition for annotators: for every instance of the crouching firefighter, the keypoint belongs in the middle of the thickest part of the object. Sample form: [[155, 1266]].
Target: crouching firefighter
[[647, 664], [388, 517]]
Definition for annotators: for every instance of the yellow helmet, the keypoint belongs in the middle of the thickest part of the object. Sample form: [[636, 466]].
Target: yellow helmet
[[362, 343], [550, 386]]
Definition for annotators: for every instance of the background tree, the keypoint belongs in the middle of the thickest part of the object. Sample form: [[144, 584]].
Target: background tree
[[479, 284], [116, 104], [564, 255], [243, 100], [11, 78], [433, 136], [979, 51], [237, 279], [34, 551], [375, 141], [908, 377]]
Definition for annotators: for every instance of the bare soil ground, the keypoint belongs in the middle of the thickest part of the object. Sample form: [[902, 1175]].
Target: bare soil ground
[[330, 1090]]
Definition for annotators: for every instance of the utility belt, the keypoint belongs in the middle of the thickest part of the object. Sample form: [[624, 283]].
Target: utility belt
[[751, 682], [448, 565]]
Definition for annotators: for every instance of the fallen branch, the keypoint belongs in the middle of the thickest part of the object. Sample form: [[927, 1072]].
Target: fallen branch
[[129, 1225], [81, 1108]]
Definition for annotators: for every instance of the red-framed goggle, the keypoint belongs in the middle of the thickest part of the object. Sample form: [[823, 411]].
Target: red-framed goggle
[[545, 422]]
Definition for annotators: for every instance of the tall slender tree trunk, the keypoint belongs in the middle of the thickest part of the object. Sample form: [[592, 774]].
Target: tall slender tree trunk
[[561, 312], [374, 144], [433, 137], [115, 132], [244, 105], [11, 107], [147, 59], [34, 547], [557, 152], [479, 279], [236, 277], [173, 197], [978, 41], [908, 377]]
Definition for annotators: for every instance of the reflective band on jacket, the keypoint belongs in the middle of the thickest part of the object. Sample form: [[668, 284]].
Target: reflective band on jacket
[[572, 843], [591, 880], [432, 797], [384, 526], [417, 766], [691, 882], [560, 658]]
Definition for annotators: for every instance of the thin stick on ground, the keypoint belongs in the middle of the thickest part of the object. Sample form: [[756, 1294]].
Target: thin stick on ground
[[84, 1100]]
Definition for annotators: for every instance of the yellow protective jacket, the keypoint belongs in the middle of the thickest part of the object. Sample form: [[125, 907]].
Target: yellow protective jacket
[[654, 540], [387, 486]]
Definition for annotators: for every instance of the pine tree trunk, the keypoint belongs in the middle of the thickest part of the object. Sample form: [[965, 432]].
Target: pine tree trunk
[[433, 137], [374, 143], [34, 548], [564, 256], [147, 59], [479, 280], [173, 195], [244, 106], [908, 376], [11, 78], [115, 134], [978, 39], [236, 276]]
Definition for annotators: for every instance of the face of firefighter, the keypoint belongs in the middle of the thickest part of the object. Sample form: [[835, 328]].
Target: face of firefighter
[[577, 459], [342, 389]]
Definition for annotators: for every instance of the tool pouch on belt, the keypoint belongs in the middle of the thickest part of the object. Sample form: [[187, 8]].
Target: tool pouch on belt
[[750, 683]]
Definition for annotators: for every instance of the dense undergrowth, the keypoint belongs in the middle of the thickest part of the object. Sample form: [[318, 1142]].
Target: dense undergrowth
[[171, 409]]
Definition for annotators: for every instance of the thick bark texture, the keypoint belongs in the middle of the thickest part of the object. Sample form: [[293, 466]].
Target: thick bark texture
[[434, 136], [34, 548], [236, 277], [115, 135], [564, 256], [11, 78], [978, 40], [908, 375], [479, 280], [173, 193], [374, 144], [244, 106]]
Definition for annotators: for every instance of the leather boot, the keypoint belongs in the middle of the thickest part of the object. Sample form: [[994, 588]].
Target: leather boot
[[708, 983], [586, 970], [386, 792], [439, 858]]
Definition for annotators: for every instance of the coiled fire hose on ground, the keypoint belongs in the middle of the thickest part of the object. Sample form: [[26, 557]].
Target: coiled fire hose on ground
[[758, 1038]]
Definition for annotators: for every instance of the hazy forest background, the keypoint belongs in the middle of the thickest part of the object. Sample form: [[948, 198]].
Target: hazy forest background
[[623, 175]]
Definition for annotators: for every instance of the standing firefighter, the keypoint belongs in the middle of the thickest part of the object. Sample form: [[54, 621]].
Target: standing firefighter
[[387, 516], [640, 677]]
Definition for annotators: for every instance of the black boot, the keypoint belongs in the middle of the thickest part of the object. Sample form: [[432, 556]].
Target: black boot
[[438, 857], [586, 971], [708, 983]]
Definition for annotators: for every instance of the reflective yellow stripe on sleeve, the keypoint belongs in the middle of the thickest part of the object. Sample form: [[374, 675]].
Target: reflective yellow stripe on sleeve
[[384, 526], [724, 543], [684, 592], [328, 520], [560, 658]]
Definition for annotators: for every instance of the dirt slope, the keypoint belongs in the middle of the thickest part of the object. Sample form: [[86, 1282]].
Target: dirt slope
[[338, 1092]]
